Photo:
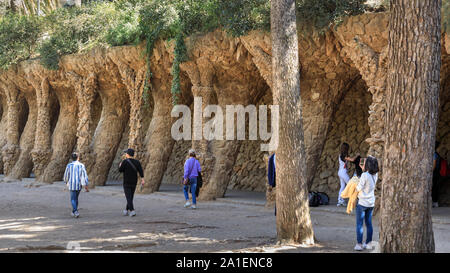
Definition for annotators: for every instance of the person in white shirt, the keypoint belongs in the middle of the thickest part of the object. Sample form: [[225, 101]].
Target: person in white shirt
[[75, 177], [366, 202]]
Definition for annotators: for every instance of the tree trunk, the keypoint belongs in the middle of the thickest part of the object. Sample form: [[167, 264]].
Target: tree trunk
[[293, 218], [411, 116], [3, 128]]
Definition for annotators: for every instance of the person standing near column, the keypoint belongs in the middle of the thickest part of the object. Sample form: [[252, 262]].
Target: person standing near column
[[191, 170], [75, 177], [130, 168], [342, 173]]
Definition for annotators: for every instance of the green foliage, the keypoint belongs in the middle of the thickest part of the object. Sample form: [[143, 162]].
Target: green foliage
[[125, 30], [156, 20], [180, 53], [18, 38], [71, 30], [241, 16], [445, 15], [128, 22], [322, 14]]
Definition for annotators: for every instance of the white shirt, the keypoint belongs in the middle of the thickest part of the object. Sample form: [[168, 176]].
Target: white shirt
[[366, 188], [75, 176], [342, 166]]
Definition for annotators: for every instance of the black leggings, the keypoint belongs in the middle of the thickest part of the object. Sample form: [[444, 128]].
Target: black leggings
[[435, 187], [129, 194]]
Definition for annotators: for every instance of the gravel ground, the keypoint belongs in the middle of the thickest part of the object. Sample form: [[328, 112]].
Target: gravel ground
[[35, 217]]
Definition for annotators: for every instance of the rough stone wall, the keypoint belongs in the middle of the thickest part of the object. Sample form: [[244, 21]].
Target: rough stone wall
[[349, 125], [175, 165], [93, 104], [249, 171]]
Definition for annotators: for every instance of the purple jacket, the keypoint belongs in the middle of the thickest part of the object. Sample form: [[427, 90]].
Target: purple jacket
[[193, 164]]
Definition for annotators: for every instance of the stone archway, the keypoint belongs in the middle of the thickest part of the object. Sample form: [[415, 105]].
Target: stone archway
[[349, 124]]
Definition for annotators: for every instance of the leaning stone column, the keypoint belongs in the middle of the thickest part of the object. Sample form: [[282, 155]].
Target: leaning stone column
[[64, 135], [372, 66], [201, 74], [134, 81], [42, 144], [161, 142], [11, 150], [86, 89], [109, 131], [24, 164]]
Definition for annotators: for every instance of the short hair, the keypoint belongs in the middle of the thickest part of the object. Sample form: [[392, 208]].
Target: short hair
[[74, 156], [372, 165], [436, 144]]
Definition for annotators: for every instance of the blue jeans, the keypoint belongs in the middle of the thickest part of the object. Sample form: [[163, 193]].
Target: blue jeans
[[193, 188], [363, 214], [74, 200]]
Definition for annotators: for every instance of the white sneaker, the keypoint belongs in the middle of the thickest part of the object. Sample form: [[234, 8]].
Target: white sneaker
[[435, 205], [187, 204], [193, 207], [77, 214], [132, 213], [368, 246], [73, 215], [358, 247], [125, 213]]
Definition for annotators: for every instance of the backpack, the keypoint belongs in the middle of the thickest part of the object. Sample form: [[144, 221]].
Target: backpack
[[314, 199], [443, 168], [199, 183], [324, 199]]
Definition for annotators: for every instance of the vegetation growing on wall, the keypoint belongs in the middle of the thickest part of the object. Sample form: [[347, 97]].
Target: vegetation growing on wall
[[18, 38], [129, 22]]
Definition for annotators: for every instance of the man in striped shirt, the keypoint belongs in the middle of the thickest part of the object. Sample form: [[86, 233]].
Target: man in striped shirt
[[75, 177]]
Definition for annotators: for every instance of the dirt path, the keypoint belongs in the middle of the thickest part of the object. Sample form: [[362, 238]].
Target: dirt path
[[36, 218]]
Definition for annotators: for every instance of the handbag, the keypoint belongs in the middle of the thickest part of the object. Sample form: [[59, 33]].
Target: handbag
[[199, 180]]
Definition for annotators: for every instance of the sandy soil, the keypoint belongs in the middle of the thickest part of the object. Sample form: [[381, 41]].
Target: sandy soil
[[35, 217]]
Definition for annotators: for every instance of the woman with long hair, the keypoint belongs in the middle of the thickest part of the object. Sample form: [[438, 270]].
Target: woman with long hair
[[366, 202], [342, 172]]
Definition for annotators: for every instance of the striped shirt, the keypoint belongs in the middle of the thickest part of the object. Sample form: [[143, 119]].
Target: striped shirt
[[75, 176]]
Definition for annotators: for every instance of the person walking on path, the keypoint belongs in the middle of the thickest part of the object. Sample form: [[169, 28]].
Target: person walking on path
[[342, 172], [75, 177], [436, 176], [130, 168], [366, 202], [191, 170]]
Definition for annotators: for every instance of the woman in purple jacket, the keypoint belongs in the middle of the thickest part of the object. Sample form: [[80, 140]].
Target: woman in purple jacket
[[191, 170]]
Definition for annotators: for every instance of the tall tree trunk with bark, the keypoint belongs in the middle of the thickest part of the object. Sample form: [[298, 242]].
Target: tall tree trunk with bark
[[411, 117], [293, 217]]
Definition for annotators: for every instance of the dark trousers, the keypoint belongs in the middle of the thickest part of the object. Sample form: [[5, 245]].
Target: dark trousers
[[129, 194], [435, 187]]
